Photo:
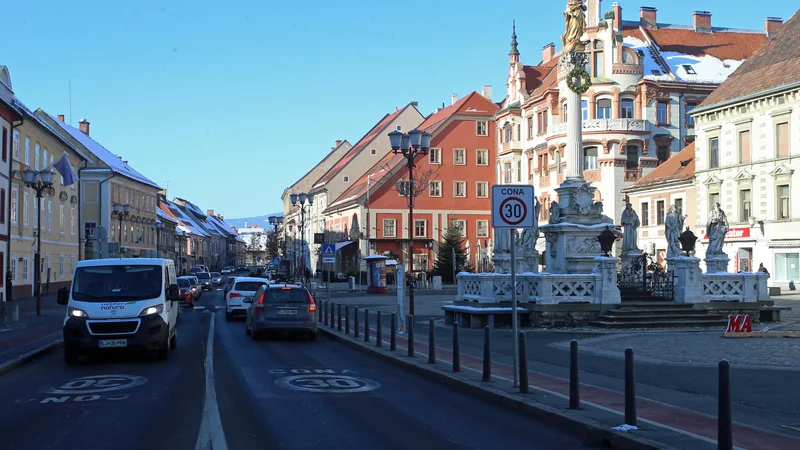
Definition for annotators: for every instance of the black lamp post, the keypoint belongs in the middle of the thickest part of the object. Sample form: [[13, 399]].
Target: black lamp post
[[39, 181], [606, 239], [416, 142], [157, 227], [120, 212], [687, 240], [303, 199]]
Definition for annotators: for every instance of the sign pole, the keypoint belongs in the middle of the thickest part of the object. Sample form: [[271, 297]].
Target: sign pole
[[514, 320]]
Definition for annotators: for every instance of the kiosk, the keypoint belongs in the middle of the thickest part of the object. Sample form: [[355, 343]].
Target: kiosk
[[376, 273]]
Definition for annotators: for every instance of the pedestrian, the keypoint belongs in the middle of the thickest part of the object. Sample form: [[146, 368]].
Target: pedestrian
[[307, 275]]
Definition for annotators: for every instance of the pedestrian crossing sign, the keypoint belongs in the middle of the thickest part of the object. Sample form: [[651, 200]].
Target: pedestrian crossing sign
[[328, 253]]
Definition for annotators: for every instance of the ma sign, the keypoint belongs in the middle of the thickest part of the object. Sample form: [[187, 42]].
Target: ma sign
[[512, 206]]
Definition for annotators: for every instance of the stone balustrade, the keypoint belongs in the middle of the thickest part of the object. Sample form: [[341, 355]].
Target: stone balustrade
[[732, 287]]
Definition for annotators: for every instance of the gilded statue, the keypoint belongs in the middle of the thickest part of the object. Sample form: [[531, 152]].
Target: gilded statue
[[575, 21]]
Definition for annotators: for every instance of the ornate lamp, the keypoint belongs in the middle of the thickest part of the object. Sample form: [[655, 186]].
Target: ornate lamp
[[606, 239], [687, 240]]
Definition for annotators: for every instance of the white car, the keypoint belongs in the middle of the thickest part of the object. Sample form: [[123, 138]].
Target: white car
[[243, 288]]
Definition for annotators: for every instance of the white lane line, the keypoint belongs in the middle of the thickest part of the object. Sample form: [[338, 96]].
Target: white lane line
[[211, 435]]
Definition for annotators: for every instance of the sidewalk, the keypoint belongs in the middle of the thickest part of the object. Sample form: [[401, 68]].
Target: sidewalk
[[31, 332]]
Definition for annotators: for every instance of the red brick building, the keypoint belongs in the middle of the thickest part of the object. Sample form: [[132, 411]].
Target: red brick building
[[457, 173]]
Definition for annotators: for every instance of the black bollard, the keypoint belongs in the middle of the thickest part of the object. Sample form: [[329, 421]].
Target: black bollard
[[410, 329], [366, 325], [574, 382], [320, 305], [355, 322], [523, 363], [431, 342], [724, 419], [325, 313], [339, 318], [346, 319], [487, 354], [393, 337], [333, 316], [456, 349], [630, 389], [378, 332]]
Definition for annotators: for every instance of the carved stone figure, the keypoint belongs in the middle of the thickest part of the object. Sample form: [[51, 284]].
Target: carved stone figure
[[673, 224], [555, 214], [575, 23], [630, 220], [502, 240], [716, 228], [537, 208], [551, 238], [527, 241]]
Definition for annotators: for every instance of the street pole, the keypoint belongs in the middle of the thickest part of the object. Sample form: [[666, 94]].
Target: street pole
[[410, 192], [39, 253], [514, 324]]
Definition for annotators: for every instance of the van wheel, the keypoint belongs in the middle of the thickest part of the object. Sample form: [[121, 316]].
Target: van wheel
[[173, 341], [228, 316], [71, 356], [163, 353]]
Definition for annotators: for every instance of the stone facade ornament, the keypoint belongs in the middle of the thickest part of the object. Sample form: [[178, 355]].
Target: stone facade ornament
[[551, 239], [502, 240], [716, 228], [673, 224], [555, 213], [630, 220]]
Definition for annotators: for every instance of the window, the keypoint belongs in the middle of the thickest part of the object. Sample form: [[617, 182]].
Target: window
[[530, 128], [603, 109], [5, 144], [632, 157], [660, 212], [482, 157], [25, 210], [15, 145], [459, 188], [483, 228], [689, 118], [678, 205], [713, 199], [713, 152], [44, 160], [27, 151], [72, 262], [558, 161], [590, 158], [744, 205], [49, 216], [564, 112], [598, 59], [744, 146], [388, 228], [689, 69], [61, 268], [14, 206], [783, 202], [88, 230], [420, 227], [482, 189], [461, 225], [662, 153], [645, 214], [782, 139], [626, 108], [585, 109], [403, 188], [661, 113], [481, 128], [507, 172], [435, 188], [542, 122], [36, 214], [459, 156], [787, 266], [346, 179], [519, 170], [373, 151], [435, 156], [72, 221], [62, 224], [25, 274], [13, 268], [37, 161]]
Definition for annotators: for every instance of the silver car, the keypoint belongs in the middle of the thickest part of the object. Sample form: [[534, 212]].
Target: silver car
[[282, 308], [216, 278]]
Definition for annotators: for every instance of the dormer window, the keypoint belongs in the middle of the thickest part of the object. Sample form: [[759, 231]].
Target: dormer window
[[656, 72], [689, 69]]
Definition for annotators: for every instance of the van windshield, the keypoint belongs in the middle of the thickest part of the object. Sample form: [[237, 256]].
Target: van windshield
[[117, 283]]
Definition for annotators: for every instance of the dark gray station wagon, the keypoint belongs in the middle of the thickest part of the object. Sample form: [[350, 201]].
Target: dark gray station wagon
[[283, 308]]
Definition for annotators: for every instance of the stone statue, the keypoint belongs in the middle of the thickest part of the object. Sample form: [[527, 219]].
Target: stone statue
[[527, 241], [555, 214], [716, 228], [630, 220], [575, 22], [502, 240], [537, 208], [672, 229]]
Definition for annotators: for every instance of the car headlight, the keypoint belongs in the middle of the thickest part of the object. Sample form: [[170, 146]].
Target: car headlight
[[158, 309], [77, 313]]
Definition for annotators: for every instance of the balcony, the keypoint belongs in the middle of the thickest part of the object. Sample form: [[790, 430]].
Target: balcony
[[602, 125], [633, 174]]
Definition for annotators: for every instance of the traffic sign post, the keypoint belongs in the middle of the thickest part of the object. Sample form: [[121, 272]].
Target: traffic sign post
[[512, 208], [328, 257]]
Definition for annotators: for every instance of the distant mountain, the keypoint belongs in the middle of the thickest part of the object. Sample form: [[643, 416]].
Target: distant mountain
[[257, 220]]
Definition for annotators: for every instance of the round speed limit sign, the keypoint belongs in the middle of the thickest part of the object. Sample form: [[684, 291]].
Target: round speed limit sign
[[511, 206]]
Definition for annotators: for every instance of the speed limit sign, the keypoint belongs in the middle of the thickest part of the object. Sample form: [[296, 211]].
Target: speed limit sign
[[512, 206]]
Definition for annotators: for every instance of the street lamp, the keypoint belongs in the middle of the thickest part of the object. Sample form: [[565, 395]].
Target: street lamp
[[302, 198], [120, 212], [415, 142], [39, 181], [157, 227]]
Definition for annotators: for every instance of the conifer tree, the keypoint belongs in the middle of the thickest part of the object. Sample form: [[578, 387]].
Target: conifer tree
[[444, 257]]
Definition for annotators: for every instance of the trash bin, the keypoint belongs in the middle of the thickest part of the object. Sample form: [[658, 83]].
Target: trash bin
[[351, 283], [437, 283]]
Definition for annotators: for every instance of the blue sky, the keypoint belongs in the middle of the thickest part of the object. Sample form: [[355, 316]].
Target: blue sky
[[227, 103]]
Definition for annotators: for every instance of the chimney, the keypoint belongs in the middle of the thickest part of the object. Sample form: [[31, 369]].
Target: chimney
[[702, 21], [593, 13], [617, 16], [61, 118], [119, 157], [125, 162], [210, 212], [338, 142], [453, 99], [548, 51], [84, 125], [486, 91], [647, 17], [771, 25], [414, 103]]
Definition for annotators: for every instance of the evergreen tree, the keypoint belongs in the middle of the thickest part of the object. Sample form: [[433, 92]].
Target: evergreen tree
[[444, 257]]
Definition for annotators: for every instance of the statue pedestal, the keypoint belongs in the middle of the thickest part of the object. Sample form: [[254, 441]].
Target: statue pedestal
[[605, 271], [528, 262], [716, 263], [688, 282], [572, 248]]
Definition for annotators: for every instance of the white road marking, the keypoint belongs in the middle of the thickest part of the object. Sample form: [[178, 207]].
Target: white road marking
[[211, 435]]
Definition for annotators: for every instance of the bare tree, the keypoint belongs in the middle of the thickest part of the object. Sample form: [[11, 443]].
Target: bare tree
[[398, 177]]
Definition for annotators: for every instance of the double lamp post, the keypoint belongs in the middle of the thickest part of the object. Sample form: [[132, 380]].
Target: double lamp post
[[39, 181], [302, 198], [120, 212]]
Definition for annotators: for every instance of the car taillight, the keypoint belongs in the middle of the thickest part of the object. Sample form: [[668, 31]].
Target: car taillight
[[260, 303], [312, 307], [234, 294]]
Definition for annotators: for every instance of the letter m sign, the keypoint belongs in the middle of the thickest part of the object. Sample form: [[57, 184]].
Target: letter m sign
[[739, 324]]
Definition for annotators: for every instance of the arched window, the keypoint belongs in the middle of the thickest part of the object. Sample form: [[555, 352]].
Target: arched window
[[590, 158], [564, 111], [626, 108], [603, 109], [632, 154]]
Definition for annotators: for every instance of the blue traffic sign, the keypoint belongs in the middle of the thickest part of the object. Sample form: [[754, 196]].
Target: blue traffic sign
[[276, 261], [328, 253]]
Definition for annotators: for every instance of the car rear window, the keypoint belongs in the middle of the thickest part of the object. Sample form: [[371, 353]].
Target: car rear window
[[215, 274], [248, 286], [286, 296], [182, 282], [203, 276]]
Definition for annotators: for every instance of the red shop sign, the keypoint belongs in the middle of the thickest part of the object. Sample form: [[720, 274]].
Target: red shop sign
[[734, 233]]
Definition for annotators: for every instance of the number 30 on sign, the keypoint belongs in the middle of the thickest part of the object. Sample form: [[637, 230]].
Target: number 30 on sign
[[512, 206]]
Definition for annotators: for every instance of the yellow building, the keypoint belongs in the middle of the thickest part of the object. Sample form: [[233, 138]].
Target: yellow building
[[118, 204], [37, 146]]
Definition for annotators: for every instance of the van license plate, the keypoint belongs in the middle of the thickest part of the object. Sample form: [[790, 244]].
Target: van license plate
[[109, 343], [287, 312]]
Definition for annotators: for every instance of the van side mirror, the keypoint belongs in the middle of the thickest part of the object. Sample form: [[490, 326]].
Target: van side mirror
[[173, 292], [63, 296]]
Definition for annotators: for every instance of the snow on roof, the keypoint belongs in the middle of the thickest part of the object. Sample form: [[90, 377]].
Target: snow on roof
[[164, 216], [21, 106], [187, 221], [108, 158]]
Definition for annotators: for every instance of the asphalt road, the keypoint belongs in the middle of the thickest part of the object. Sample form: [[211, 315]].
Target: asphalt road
[[286, 393]]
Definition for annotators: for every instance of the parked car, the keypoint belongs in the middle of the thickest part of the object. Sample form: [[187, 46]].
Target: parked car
[[216, 278], [195, 285], [243, 288], [228, 284], [205, 280], [187, 293], [279, 308], [340, 277]]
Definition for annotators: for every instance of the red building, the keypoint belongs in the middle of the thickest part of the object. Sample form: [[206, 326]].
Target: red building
[[457, 174]]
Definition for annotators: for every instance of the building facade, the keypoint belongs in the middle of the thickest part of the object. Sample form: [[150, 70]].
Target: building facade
[[10, 117]]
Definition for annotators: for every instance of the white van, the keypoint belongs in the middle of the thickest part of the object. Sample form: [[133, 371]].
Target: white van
[[116, 304]]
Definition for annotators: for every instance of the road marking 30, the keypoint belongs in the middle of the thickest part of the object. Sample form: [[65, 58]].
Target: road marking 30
[[335, 384], [96, 384]]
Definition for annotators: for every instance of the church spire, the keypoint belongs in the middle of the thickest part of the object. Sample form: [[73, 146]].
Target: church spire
[[514, 50]]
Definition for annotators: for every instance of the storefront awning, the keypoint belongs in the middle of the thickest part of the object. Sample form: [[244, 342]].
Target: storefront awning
[[339, 245]]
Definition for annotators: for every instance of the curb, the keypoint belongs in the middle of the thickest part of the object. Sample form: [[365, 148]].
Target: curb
[[29, 356], [588, 428]]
